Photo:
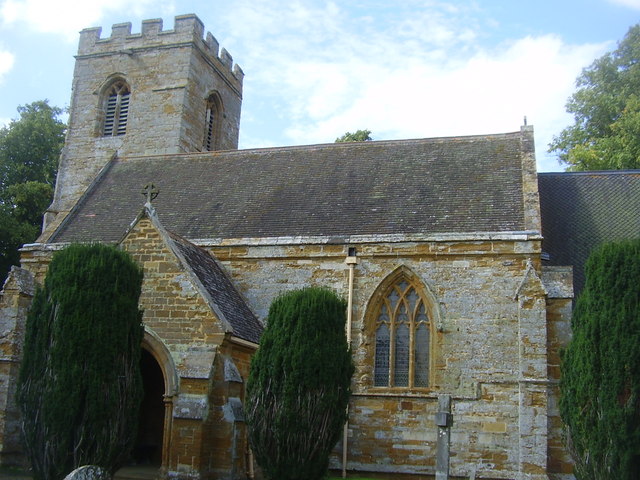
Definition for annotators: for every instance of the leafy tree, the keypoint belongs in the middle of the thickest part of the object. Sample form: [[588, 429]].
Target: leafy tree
[[600, 386], [20, 219], [29, 152], [606, 109], [357, 136], [299, 385], [79, 387]]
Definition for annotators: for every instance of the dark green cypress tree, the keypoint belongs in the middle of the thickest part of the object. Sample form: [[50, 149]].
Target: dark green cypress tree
[[299, 385], [80, 387], [600, 386]]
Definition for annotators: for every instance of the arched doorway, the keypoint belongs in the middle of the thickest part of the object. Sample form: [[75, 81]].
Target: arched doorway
[[149, 441]]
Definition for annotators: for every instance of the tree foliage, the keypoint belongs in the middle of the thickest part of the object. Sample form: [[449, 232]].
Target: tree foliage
[[606, 109], [357, 136], [79, 387], [29, 152], [600, 386], [299, 385]]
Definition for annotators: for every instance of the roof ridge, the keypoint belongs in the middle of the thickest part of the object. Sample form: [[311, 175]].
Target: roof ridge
[[329, 145], [593, 172]]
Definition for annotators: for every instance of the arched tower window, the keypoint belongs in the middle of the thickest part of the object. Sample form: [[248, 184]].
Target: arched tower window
[[116, 109], [212, 122], [403, 335]]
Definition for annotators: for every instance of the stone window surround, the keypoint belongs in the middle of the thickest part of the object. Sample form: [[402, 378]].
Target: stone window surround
[[377, 301], [115, 103], [213, 120]]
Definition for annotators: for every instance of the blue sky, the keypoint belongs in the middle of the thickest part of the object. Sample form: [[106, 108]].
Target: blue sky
[[315, 69]]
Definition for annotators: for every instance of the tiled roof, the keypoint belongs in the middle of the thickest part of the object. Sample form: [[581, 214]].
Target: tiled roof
[[580, 210], [226, 299], [441, 185]]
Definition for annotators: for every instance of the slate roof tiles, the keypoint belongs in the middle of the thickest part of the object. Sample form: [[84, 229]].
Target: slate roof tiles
[[227, 301], [581, 210], [442, 185]]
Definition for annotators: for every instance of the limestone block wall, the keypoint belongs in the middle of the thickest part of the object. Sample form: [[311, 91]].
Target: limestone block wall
[[177, 314], [559, 282], [501, 318], [173, 307], [490, 349], [15, 301], [531, 197], [206, 432], [225, 443], [205, 435]]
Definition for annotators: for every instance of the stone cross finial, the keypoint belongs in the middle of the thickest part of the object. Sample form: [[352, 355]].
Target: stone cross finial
[[151, 192]]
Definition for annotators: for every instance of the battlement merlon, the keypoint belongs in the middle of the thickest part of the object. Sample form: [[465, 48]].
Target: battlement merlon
[[188, 29]]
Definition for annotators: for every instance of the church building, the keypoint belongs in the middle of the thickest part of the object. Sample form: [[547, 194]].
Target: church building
[[456, 316]]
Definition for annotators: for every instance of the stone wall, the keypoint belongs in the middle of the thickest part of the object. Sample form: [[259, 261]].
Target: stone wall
[[500, 319], [559, 282], [15, 301], [204, 367], [490, 349], [225, 444], [205, 430]]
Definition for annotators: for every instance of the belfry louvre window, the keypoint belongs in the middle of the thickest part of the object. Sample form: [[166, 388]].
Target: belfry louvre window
[[116, 110], [402, 338], [212, 122]]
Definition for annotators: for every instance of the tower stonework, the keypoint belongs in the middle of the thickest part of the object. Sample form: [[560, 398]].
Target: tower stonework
[[169, 79]]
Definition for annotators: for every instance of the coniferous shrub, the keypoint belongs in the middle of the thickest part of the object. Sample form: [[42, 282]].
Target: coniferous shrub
[[80, 387], [299, 385], [600, 386]]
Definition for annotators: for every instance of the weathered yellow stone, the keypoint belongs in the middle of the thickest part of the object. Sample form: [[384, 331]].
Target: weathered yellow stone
[[494, 427]]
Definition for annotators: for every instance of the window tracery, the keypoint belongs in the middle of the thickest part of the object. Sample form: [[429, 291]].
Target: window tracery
[[403, 332]]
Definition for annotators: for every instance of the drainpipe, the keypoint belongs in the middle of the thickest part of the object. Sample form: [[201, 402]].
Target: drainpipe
[[351, 261]]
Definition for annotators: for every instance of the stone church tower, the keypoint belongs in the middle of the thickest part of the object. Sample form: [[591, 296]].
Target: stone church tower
[[150, 93]]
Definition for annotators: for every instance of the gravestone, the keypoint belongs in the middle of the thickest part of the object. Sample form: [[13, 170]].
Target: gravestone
[[89, 472]]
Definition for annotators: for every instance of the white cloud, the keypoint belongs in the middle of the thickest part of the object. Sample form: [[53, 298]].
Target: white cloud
[[486, 93], [65, 17], [6, 63], [635, 4], [422, 73]]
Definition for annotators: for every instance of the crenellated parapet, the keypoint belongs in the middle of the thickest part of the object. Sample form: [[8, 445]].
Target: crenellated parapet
[[188, 30]]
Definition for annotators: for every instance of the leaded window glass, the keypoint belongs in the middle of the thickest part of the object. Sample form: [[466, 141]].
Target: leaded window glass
[[421, 358], [401, 360], [382, 357], [116, 110], [402, 338]]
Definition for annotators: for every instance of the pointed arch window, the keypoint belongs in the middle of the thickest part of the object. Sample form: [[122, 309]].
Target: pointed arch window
[[403, 332], [116, 109], [212, 122]]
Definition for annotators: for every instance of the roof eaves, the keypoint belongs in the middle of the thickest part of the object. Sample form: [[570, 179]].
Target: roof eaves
[[518, 236]]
